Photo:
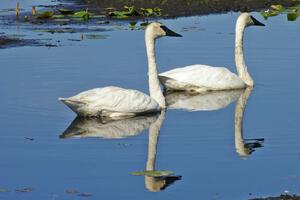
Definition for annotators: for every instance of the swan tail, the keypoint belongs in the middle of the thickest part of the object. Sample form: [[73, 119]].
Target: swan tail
[[70, 102], [62, 99]]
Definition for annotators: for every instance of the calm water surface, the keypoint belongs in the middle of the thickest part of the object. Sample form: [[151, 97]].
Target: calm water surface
[[199, 146]]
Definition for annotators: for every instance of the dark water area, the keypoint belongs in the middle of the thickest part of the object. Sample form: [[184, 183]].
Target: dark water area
[[175, 8], [40, 159]]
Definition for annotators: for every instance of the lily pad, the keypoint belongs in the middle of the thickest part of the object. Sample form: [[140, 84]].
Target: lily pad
[[132, 25], [274, 10], [151, 12], [45, 15], [278, 7], [66, 11], [129, 11], [153, 173], [82, 14], [292, 16]]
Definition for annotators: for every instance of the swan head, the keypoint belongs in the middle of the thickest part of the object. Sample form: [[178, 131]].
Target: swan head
[[157, 30], [248, 20]]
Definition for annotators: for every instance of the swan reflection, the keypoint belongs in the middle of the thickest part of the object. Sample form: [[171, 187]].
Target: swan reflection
[[96, 127], [114, 129], [216, 100], [244, 147], [156, 184], [209, 101]]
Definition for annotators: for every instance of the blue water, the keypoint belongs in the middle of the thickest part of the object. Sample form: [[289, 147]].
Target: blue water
[[199, 146]]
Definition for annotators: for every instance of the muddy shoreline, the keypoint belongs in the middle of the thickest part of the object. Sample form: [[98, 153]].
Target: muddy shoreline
[[179, 8], [281, 197]]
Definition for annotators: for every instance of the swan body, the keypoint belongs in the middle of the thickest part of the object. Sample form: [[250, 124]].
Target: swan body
[[111, 101], [203, 78], [116, 102]]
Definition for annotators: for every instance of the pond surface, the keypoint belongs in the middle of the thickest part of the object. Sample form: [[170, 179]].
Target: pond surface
[[199, 146]]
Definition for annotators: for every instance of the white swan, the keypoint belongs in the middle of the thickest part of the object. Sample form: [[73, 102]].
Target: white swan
[[116, 102], [202, 78]]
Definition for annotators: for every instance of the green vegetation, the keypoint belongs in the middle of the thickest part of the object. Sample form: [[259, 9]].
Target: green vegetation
[[153, 173], [131, 11], [292, 12], [83, 14]]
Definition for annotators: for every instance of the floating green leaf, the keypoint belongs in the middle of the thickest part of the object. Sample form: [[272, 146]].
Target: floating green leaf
[[153, 173], [151, 12], [132, 25], [45, 15], [278, 7], [292, 16], [129, 11], [82, 14], [66, 11], [274, 10], [144, 24]]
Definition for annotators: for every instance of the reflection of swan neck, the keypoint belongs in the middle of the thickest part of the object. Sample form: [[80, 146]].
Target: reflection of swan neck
[[238, 122], [154, 87], [153, 139], [239, 52], [154, 184]]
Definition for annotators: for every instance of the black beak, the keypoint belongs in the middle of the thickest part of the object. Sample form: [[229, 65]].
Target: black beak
[[170, 32], [256, 22]]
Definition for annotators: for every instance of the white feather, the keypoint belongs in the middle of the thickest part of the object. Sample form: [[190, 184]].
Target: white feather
[[201, 78], [111, 102], [116, 102]]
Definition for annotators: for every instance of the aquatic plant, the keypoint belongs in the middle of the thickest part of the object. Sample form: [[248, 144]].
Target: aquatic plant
[[131, 11], [82, 14], [154, 173], [292, 12]]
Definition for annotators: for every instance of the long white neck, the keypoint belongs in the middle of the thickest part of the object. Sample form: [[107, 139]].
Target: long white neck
[[238, 123], [154, 87], [239, 53]]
